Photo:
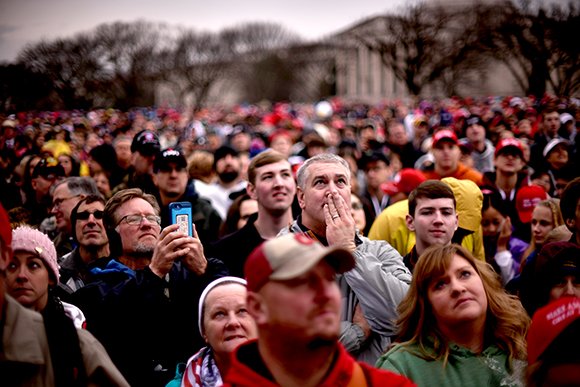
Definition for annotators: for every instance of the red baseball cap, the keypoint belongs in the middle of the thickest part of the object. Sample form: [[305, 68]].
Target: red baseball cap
[[509, 143], [527, 199], [290, 256], [5, 229], [444, 135], [406, 181], [548, 323]]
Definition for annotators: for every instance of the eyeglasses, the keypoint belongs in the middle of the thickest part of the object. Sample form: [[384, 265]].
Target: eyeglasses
[[136, 220], [59, 201], [85, 215]]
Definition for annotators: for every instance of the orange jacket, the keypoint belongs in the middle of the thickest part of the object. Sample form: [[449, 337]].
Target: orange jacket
[[462, 173]]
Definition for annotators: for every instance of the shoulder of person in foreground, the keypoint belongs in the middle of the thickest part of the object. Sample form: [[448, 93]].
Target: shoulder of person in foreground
[[100, 369]]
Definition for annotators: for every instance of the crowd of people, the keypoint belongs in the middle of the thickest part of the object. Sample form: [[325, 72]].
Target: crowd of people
[[333, 244]]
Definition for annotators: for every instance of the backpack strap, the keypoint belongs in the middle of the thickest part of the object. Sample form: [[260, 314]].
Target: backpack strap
[[358, 378]]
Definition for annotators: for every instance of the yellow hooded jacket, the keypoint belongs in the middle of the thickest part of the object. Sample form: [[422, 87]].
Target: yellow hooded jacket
[[391, 225]]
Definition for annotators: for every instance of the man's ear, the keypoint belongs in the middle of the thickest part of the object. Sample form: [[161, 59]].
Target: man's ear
[[34, 185], [570, 223], [300, 197], [251, 190], [456, 222], [155, 180], [410, 222], [257, 308]]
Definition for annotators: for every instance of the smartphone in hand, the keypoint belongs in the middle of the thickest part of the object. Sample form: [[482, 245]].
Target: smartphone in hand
[[181, 215]]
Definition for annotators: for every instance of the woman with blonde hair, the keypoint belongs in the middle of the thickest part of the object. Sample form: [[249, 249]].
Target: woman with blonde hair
[[545, 218], [457, 326]]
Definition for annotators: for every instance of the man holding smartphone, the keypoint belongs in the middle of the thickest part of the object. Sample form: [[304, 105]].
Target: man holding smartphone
[[142, 300]]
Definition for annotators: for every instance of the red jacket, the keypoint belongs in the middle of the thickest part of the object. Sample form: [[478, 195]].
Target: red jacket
[[241, 374]]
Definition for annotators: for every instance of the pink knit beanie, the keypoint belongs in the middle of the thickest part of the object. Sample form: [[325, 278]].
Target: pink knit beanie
[[35, 242]]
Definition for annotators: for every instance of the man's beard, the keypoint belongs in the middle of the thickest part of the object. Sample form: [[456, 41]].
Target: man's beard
[[228, 177], [143, 250], [322, 342]]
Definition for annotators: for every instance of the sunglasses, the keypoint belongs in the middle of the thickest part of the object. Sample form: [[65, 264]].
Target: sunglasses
[[84, 215]]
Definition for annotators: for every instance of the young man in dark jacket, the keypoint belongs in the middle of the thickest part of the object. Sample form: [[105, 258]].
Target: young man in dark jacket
[[271, 184]]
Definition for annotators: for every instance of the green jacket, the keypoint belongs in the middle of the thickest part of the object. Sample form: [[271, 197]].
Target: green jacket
[[463, 368]]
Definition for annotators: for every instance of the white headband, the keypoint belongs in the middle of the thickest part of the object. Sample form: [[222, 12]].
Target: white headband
[[208, 289]]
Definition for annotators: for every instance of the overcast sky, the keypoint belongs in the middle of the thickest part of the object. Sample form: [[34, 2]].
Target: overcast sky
[[28, 21]]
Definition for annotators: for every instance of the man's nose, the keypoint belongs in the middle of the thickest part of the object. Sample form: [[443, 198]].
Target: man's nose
[[438, 218], [569, 287]]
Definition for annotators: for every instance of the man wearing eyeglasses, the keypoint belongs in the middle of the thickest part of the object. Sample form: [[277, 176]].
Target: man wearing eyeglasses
[[66, 194], [93, 243], [142, 300]]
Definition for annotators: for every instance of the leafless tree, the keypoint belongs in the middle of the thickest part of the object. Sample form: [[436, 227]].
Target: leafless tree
[[257, 38], [198, 62], [539, 46], [422, 45], [195, 63], [70, 65], [127, 54]]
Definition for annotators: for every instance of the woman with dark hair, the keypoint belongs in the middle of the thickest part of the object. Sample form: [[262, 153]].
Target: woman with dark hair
[[30, 162], [103, 158], [70, 165], [457, 326], [238, 214], [503, 251], [77, 358]]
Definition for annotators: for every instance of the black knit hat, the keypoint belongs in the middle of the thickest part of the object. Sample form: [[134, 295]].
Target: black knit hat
[[145, 142]]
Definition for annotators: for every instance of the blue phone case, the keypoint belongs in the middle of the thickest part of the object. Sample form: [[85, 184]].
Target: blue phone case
[[181, 214]]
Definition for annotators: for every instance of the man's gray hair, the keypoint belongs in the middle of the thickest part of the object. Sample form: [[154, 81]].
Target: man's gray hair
[[79, 186], [323, 158]]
